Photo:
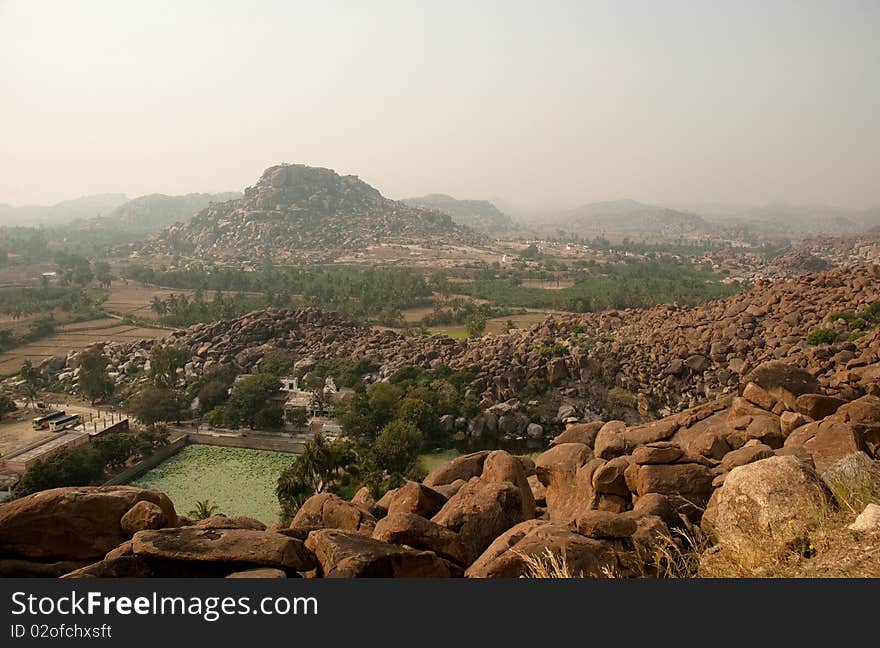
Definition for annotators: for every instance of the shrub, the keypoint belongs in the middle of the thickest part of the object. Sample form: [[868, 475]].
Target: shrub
[[822, 336]]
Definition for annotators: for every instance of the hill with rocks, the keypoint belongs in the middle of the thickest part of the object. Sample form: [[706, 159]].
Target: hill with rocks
[[153, 212], [479, 215], [295, 208], [638, 364]]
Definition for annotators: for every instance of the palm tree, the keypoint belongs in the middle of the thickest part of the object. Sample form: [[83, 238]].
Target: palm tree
[[158, 306], [204, 509]]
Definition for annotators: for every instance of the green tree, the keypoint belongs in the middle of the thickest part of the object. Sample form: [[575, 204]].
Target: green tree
[[397, 447], [154, 405], [250, 395], [278, 362], [476, 326], [80, 467], [31, 382], [316, 470], [165, 360], [212, 394], [7, 405], [101, 270], [94, 382]]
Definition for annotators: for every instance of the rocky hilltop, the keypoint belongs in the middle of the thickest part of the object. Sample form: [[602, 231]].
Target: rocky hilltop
[[638, 364], [479, 215], [295, 208]]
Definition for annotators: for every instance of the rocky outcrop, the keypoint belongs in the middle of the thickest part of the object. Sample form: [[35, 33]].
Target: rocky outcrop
[[294, 209], [75, 523]]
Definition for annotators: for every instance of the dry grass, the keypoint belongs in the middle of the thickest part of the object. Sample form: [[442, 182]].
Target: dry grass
[[547, 565]]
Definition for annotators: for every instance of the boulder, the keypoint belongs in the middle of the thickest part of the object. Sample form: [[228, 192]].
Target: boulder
[[817, 406], [569, 483], [190, 551], [544, 542], [258, 572], [143, 515], [687, 485], [329, 511], [602, 524], [405, 528], [500, 467], [765, 506], [609, 441], [746, 455], [868, 520], [578, 433], [853, 480], [74, 523], [346, 554], [480, 512], [659, 452], [119, 567], [783, 381], [417, 498], [609, 479], [464, 467]]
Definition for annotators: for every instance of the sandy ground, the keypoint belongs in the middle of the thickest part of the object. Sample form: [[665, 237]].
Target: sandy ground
[[17, 431]]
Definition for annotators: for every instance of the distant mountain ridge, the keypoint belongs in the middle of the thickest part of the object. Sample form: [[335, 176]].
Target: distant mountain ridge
[[153, 212], [629, 218], [480, 215], [294, 208], [61, 213]]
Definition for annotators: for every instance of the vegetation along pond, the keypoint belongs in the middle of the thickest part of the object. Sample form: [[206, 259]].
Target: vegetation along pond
[[237, 480]]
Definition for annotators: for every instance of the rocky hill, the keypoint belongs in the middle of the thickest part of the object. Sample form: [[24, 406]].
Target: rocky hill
[[479, 215], [152, 212], [637, 364], [295, 208], [627, 218]]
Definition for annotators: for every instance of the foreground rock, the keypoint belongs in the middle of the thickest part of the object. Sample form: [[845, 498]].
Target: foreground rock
[[345, 554], [329, 511], [75, 523], [766, 506], [190, 551], [480, 512], [539, 546]]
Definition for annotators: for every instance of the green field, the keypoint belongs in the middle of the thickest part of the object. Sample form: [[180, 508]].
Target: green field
[[238, 481]]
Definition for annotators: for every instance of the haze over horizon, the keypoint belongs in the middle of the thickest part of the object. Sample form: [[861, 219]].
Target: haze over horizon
[[547, 105]]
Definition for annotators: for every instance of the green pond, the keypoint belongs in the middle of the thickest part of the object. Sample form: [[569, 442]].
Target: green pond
[[237, 480]]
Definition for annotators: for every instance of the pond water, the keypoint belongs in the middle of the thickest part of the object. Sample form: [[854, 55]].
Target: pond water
[[237, 480]]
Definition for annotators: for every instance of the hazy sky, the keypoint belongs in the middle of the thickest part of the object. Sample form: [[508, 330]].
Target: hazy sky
[[541, 103]]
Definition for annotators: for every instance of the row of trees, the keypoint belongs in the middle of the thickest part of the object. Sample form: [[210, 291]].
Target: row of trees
[[378, 294], [90, 464]]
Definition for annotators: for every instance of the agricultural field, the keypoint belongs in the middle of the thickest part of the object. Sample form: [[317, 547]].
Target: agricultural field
[[130, 298], [237, 480], [74, 337]]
